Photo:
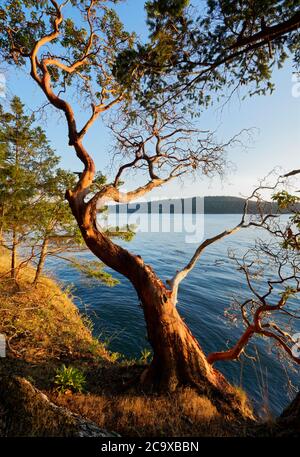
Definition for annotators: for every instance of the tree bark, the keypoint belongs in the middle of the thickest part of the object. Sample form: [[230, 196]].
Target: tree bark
[[41, 261], [178, 359]]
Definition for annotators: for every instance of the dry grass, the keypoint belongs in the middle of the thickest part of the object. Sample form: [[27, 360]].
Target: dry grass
[[184, 413], [243, 399], [42, 322]]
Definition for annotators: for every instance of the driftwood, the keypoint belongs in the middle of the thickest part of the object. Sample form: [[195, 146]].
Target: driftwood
[[26, 411]]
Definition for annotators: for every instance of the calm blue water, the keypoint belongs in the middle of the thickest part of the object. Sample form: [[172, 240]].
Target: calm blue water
[[204, 296]]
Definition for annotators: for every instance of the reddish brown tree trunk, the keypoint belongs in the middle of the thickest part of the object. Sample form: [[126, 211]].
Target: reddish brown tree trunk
[[178, 359]]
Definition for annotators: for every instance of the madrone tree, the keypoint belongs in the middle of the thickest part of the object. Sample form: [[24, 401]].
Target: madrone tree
[[76, 47]]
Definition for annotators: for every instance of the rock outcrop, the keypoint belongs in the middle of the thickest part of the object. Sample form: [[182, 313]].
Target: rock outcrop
[[288, 424]]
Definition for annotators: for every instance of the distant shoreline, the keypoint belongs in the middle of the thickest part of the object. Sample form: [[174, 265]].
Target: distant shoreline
[[194, 205]]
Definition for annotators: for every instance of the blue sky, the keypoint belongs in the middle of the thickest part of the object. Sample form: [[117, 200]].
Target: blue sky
[[275, 120]]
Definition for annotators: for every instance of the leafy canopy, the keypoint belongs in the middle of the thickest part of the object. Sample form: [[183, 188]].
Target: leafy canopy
[[27, 161], [199, 48]]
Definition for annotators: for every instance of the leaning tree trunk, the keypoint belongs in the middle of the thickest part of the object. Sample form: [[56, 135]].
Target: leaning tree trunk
[[41, 261], [178, 359]]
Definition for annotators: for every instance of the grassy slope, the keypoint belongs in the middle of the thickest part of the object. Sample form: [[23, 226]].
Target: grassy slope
[[42, 323], [44, 329]]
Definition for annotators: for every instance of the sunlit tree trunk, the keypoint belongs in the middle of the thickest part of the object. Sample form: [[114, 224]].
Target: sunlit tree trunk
[[178, 359]]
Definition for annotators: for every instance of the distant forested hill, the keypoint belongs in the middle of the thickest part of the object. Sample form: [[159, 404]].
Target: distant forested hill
[[208, 205]]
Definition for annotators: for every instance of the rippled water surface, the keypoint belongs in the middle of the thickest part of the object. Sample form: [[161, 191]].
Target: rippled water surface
[[203, 298]]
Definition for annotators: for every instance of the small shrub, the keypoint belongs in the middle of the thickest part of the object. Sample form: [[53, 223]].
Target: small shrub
[[114, 356], [146, 354], [69, 379]]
